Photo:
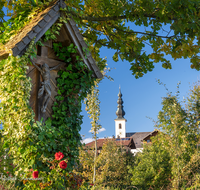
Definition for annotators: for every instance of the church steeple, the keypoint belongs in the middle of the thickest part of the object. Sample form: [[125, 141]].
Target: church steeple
[[120, 111], [120, 122]]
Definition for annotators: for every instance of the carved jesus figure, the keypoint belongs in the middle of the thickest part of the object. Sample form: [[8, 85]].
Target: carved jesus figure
[[46, 85]]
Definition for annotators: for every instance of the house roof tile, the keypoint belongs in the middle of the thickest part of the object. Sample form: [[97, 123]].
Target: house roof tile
[[100, 143], [137, 137]]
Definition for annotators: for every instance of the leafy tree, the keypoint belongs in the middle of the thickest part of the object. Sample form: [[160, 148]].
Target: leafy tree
[[111, 165], [168, 27], [86, 164], [93, 109], [152, 168], [174, 152], [182, 126]]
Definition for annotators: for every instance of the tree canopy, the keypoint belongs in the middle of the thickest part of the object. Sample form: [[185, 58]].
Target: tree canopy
[[172, 160], [111, 165], [166, 26]]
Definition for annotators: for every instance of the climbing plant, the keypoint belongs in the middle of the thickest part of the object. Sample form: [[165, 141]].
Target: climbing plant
[[31, 144]]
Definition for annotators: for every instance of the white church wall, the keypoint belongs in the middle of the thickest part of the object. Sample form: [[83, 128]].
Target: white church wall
[[120, 131]]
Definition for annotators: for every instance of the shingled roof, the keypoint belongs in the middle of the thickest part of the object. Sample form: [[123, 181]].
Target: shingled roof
[[137, 137], [153, 133], [37, 28]]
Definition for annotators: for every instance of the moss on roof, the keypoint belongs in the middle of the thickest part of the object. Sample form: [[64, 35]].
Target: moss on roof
[[5, 49]]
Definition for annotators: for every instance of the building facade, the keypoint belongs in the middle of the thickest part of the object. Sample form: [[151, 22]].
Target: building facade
[[132, 141]]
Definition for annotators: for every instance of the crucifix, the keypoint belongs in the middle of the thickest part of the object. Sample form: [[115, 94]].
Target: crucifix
[[45, 88], [43, 73]]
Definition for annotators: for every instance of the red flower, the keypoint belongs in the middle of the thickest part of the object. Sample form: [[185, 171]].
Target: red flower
[[35, 174], [63, 164], [91, 184], [59, 155], [31, 170]]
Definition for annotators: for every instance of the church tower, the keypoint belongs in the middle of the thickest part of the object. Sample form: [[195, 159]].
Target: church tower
[[120, 122]]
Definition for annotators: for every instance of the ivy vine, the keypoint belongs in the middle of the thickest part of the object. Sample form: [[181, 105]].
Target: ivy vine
[[32, 145]]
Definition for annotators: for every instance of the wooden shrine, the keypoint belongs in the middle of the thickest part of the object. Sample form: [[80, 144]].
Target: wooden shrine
[[45, 66]]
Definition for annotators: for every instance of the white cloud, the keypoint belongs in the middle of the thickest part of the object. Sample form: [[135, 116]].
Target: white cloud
[[100, 130], [87, 140]]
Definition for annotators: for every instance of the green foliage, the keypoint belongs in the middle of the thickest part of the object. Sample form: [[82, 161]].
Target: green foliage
[[171, 161], [53, 31], [31, 144], [73, 85], [168, 27], [6, 165], [152, 168], [93, 109], [111, 165], [15, 113]]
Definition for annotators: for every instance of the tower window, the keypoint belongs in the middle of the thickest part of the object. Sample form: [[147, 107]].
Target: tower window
[[120, 126]]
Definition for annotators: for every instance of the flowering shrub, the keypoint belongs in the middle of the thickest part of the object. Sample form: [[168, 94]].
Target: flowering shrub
[[59, 155], [58, 174], [35, 174], [63, 164]]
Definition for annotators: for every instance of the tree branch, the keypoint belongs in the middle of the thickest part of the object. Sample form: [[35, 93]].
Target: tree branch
[[144, 33], [97, 41], [109, 18]]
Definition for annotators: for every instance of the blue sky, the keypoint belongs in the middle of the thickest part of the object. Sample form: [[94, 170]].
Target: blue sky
[[142, 97]]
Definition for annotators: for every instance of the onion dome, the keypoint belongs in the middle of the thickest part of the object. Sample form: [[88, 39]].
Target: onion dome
[[120, 112]]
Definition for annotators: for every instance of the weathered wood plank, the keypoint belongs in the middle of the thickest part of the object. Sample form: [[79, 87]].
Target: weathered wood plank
[[44, 51], [51, 62], [32, 105], [51, 54], [30, 68], [48, 43], [34, 74], [73, 31], [63, 36], [33, 95]]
